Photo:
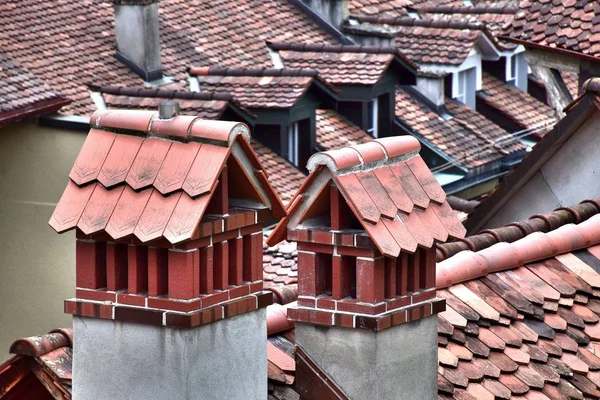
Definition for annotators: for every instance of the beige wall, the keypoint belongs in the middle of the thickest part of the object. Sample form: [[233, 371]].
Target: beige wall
[[37, 265]]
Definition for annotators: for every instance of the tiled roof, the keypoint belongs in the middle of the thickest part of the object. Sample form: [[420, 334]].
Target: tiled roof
[[518, 230], [203, 104], [521, 319], [467, 137], [380, 7], [571, 79], [285, 178], [152, 180], [335, 131], [570, 25], [257, 88], [339, 65], [68, 56], [41, 364], [389, 189], [280, 264], [22, 94], [425, 41], [516, 105]]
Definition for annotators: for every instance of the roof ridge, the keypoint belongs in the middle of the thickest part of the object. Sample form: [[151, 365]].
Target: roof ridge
[[475, 9], [334, 48], [161, 93], [36, 346], [289, 72], [426, 23], [468, 265], [518, 230], [366, 155]]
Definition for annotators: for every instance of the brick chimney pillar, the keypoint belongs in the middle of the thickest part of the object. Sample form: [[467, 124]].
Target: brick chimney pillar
[[367, 222], [137, 30], [168, 211]]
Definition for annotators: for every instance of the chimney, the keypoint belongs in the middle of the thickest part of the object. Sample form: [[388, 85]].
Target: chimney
[[367, 222], [138, 37], [432, 88], [168, 213], [334, 12]]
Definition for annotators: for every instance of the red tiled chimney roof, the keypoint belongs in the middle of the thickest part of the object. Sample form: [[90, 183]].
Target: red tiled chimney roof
[[140, 175]]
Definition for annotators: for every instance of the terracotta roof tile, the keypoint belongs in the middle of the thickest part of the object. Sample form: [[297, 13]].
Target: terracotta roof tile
[[149, 186], [335, 131], [516, 105], [557, 26], [375, 201], [466, 136]]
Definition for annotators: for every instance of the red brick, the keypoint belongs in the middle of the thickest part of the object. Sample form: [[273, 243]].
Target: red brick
[[248, 230], [318, 317], [239, 291], [224, 236], [157, 271], [414, 274], [131, 299], [400, 301], [370, 280], [301, 235], [320, 236], [253, 257], [240, 306], [360, 308], [398, 317], [327, 303], [402, 274], [137, 263], [340, 212], [438, 306], [312, 273], [390, 277], [219, 203], [236, 261], [215, 298], [316, 247], [167, 304], [384, 322], [221, 265], [97, 295], [116, 266], [422, 296], [182, 266], [344, 239], [139, 315], [356, 252], [363, 322], [90, 264], [87, 309], [256, 287], [307, 302], [415, 313], [344, 320], [427, 262], [263, 299], [236, 220], [206, 270], [343, 276]]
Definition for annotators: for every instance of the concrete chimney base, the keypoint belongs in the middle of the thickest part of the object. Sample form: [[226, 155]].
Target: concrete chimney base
[[121, 360], [396, 363]]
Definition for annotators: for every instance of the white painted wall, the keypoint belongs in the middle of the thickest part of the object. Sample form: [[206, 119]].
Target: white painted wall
[[569, 177], [37, 266]]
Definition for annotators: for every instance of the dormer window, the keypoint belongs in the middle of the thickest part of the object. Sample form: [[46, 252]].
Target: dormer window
[[292, 143], [372, 111], [516, 70], [466, 84]]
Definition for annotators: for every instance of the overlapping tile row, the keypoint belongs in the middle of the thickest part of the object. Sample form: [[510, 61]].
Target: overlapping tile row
[[336, 64], [141, 184], [518, 230], [466, 136], [284, 177], [516, 105], [257, 88], [83, 50], [335, 131], [423, 41], [558, 25], [571, 79], [203, 104], [23, 94], [42, 365], [280, 265], [380, 7]]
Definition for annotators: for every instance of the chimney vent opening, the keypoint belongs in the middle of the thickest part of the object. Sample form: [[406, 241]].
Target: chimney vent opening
[[168, 109]]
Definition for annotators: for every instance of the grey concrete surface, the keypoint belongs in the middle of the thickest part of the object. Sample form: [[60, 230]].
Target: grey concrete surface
[[396, 363], [120, 360]]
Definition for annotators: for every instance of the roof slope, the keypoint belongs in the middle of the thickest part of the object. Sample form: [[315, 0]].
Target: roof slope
[[389, 189], [22, 94], [335, 131], [516, 105], [568, 26], [466, 136], [154, 179]]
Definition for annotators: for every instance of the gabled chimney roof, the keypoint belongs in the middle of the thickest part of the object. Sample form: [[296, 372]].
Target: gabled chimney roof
[[388, 188]]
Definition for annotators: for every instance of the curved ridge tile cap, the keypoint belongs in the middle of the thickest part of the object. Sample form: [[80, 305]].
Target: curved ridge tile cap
[[591, 85], [134, 120], [375, 151], [462, 267], [222, 131], [36, 346]]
